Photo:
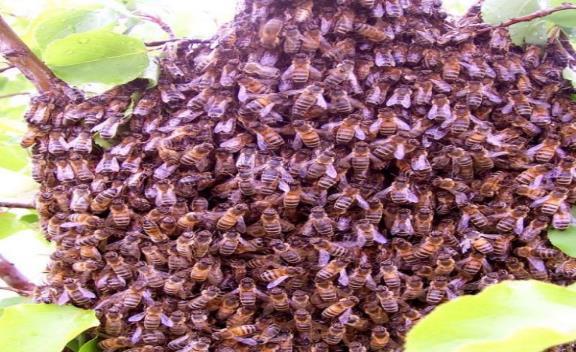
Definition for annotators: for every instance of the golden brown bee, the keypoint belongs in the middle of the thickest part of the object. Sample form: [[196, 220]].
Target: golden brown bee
[[533, 175], [345, 21], [73, 291], [405, 251], [267, 137], [233, 217], [387, 299], [114, 343], [514, 221], [451, 68], [236, 331], [270, 33], [431, 245], [479, 241], [562, 219], [305, 134], [311, 95], [552, 202], [118, 265], [399, 191], [275, 277], [152, 229], [379, 338], [206, 296], [334, 334], [319, 222], [546, 150], [437, 290], [340, 308], [197, 156], [201, 269]]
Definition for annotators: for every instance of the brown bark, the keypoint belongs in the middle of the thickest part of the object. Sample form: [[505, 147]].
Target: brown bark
[[13, 277], [530, 17], [20, 56], [21, 205]]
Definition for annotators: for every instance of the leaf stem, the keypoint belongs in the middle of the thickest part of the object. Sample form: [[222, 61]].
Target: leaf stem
[[158, 21], [21, 57], [13, 277], [529, 17], [20, 205]]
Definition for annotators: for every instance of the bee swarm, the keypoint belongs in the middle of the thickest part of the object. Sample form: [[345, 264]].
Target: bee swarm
[[318, 178]]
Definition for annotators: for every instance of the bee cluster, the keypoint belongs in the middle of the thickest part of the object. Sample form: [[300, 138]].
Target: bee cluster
[[319, 178]]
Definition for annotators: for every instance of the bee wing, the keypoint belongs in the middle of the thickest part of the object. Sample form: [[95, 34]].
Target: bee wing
[[406, 101], [321, 102], [360, 240], [433, 112], [411, 197], [344, 317], [137, 317], [166, 321], [64, 298], [286, 75], [460, 197], [323, 257], [277, 282], [331, 171], [283, 186], [136, 335], [297, 142], [519, 226], [359, 133], [465, 245], [464, 221], [362, 202], [536, 263], [260, 141], [539, 201], [247, 341], [399, 153], [225, 126], [240, 224], [267, 110], [87, 293], [343, 279], [375, 126], [379, 238], [242, 94]]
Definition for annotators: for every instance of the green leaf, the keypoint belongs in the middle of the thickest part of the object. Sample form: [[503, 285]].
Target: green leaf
[[564, 240], [42, 327], [97, 56], [10, 224], [533, 32], [10, 301], [90, 346], [30, 218], [12, 156], [570, 75], [512, 316], [566, 18], [59, 23]]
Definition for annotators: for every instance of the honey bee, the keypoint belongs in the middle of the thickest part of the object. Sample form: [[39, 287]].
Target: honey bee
[[399, 192], [206, 296], [235, 333], [334, 334], [451, 68], [562, 219], [305, 134], [477, 240], [552, 202], [81, 198], [270, 33], [153, 316], [277, 276], [310, 96], [414, 288], [394, 147], [233, 217], [112, 344], [400, 97], [437, 291], [546, 150], [534, 175], [379, 337], [430, 246], [75, 292], [368, 234], [197, 156]]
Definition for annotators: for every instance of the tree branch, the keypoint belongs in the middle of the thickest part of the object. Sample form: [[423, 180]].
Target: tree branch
[[13, 95], [529, 17], [13, 277], [21, 205], [192, 41], [19, 55], [158, 21]]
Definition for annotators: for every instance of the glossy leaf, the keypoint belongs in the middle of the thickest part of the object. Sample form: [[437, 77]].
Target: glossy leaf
[[512, 316], [42, 327], [10, 224], [566, 18], [498, 11], [90, 346], [59, 23], [11, 301], [564, 240], [570, 75], [97, 56]]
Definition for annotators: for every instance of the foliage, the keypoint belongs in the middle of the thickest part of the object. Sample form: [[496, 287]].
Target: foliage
[[512, 316], [42, 327], [533, 32], [97, 56], [564, 240]]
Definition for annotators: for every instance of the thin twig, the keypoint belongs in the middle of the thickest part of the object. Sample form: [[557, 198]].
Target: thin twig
[[13, 277], [13, 95], [9, 67], [20, 292], [20, 205], [19, 55], [158, 21], [192, 41], [529, 17]]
